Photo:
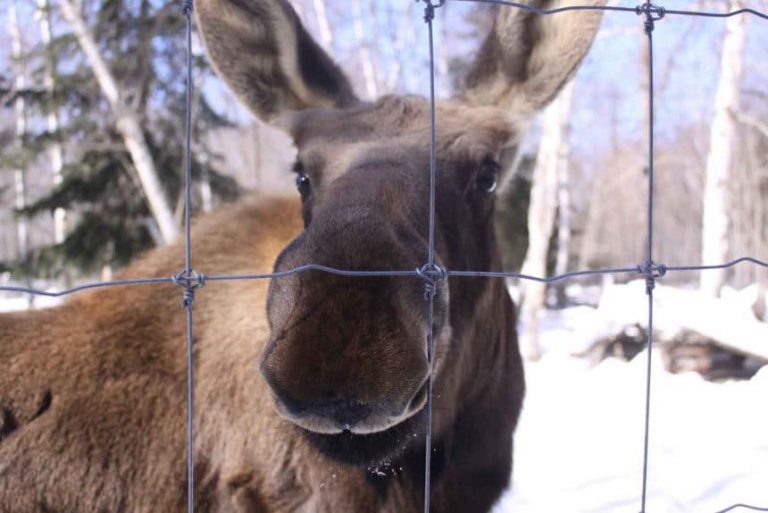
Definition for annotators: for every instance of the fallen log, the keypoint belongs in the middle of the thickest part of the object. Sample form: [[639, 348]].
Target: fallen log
[[725, 323], [692, 352], [683, 317]]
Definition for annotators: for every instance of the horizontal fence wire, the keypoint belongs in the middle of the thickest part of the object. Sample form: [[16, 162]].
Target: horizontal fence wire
[[615, 8], [741, 506], [85, 286], [430, 273], [415, 273]]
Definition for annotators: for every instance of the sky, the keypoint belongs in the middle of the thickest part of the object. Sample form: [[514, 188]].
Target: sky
[[686, 61]]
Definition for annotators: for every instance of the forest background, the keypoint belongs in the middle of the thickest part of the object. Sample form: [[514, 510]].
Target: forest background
[[76, 200]]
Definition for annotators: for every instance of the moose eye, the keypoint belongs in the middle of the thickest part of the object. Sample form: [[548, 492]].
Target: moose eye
[[487, 178], [302, 184]]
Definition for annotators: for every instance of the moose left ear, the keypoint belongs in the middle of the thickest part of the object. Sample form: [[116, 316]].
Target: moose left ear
[[264, 53], [528, 57]]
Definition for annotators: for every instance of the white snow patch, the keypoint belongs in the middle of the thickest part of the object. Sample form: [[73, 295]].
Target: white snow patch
[[579, 445], [19, 302]]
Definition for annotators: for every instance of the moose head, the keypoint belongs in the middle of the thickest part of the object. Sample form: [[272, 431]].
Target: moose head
[[347, 361]]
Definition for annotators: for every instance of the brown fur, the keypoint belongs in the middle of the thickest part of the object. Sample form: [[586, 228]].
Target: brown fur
[[92, 394]]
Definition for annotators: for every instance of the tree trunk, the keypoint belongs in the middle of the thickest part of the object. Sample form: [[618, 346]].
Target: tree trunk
[[55, 151], [552, 155], [715, 246], [20, 110], [369, 73], [563, 200], [206, 193], [442, 57], [563, 232], [127, 124], [323, 26], [397, 41]]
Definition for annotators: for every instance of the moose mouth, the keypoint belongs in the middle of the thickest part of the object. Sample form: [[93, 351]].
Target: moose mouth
[[373, 448]]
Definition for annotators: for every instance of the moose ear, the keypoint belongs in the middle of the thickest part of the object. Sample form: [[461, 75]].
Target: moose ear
[[262, 51], [527, 58]]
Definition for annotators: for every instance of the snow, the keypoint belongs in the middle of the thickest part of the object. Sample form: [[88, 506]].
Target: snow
[[579, 445], [17, 302]]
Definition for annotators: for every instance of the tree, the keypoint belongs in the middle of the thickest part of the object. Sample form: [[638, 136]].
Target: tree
[[369, 73], [20, 112], [127, 124], [110, 222], [55, 151], [715, 239], [552, 157]]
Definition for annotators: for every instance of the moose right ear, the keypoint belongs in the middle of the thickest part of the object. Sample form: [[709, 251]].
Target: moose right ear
[[527, 58], [264, 54]]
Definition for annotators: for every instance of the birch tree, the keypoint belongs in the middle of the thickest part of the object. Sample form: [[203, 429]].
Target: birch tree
[[55, 151], [715, 245], [551, 158], [366, 62], [563, 216], [323, 25], [127, 123], [20, 112]]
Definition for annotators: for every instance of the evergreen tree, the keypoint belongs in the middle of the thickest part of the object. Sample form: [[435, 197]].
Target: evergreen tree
[[110, 222]]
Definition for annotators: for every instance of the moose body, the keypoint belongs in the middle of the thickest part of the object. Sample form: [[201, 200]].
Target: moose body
[[319, 406]]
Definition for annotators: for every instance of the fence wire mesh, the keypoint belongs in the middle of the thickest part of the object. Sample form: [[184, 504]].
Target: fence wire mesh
[[431, 273]]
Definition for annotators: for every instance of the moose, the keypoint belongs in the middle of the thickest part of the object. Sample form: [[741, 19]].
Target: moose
[[311, 387]]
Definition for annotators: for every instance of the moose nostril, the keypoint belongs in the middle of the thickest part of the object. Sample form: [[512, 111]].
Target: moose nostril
[[292, 405], [419, 398]]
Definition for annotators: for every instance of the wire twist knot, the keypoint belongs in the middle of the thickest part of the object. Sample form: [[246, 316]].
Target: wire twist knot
[[652, 271], [653, 13], [188, 7], [429, 9], [432, 274], [190, 280]]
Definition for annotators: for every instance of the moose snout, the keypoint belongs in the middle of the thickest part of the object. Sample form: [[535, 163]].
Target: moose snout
[[348, 352], [359, 409]]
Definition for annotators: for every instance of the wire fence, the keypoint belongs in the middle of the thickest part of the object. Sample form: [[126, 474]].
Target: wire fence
[[431, 273]]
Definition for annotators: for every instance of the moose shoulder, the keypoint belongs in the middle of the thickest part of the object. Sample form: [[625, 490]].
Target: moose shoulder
[[317, 406]]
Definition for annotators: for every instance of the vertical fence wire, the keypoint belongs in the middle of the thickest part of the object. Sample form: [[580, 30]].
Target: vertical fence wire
[[189, 285], [431, 273], [430, 268], [649, 26]]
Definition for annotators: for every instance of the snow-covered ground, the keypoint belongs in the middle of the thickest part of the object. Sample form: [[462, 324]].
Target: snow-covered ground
[[18, 302], [579, 445]]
